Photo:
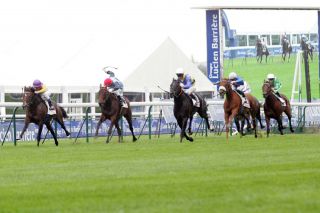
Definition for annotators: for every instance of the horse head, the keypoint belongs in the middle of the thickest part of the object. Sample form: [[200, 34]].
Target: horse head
[[224, 87], [266, 88], [103, 95], [27, 97], [175, 88]]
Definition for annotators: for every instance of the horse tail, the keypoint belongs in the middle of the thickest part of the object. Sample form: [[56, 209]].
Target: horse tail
[[64, 113]]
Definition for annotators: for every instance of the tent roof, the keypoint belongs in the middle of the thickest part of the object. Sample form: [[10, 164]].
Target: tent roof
[[159, 69]]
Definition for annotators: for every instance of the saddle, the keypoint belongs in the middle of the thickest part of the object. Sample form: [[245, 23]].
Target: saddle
[[244, 101]]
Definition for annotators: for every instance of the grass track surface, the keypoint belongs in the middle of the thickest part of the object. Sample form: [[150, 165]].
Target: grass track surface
[[276, 174]]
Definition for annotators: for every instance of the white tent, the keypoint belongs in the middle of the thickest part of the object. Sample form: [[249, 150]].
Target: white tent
[[159, 69]]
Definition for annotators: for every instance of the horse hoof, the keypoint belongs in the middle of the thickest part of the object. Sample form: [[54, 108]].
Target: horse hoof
[[291, 130], [107, 141], [211, 130], [191, 139], [262, 127], [255, 136], [134, 139]]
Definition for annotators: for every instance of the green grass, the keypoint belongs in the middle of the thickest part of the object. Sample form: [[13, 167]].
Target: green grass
[[255, 73], [275, 174]]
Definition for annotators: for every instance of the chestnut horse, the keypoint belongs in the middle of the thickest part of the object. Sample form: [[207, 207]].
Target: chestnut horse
[[274, 109], [183, 109], [111, 109], [233, 108], [36, 112]]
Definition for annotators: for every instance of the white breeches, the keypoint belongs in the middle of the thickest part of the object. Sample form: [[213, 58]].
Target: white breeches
[[190, 90]]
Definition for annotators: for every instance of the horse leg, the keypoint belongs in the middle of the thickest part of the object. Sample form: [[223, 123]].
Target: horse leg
[[183, 131], [280, 127], [228, 121], [102, 118], [26, 124], [61, 123], [190, 125], [268, 125], [259, 119], [110, 129], [254, 124], [119, 132], [49, 127], [129, 120], [287, 111], [39, 133], [239, 129]]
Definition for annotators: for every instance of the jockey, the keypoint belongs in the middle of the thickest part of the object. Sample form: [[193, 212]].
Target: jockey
[[275, 85], [115, 86], [236, 83], [187, 85], [41, 89]]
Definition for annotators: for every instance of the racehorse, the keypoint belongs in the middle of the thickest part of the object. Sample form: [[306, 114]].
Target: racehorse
[[308, 47], [286, 49], [273, 108], [36, 112], [233, 107], [111, 109], [261, 50], [183, 109]]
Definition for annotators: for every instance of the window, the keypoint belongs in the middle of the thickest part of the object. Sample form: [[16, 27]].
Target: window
[[242, 39], [295, 39], [275, 39], [314, 38], [253, 40]]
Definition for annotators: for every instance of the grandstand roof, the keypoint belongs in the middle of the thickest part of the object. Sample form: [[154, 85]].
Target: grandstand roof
[[266, 5], [159, 69]]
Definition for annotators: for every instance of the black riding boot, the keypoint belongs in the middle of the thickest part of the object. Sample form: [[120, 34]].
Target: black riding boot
[[120, 100], [193, 96], [50, 105], [241, 93]]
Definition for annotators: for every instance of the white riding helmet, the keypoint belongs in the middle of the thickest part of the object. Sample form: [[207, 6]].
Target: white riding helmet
[[233, 75], [270, 76], [180, 71]]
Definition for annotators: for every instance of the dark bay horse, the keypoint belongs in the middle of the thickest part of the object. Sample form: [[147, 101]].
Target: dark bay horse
[[183, 109], [274, 109], [261, 51], [111, 109], [308, 47], [36, 112], [233, 107], [286, 49]]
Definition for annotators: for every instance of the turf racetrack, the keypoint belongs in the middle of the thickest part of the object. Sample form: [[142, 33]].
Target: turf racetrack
[[254, 73], [276, 174]]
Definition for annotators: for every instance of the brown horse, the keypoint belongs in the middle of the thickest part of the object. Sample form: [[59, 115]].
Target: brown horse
[[286, 49], [111, 109], [262, 49], [233, 107], [274, 109], [36, 112]]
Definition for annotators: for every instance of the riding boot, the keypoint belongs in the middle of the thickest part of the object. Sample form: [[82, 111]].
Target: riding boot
[[120, 100], [244, 99], [50, 105], [195, 97]]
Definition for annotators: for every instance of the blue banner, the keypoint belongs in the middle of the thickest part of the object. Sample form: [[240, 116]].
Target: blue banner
[[213, 45]]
